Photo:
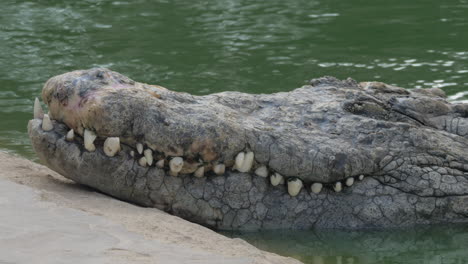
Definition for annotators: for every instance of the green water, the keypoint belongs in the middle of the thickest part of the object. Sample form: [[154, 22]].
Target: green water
[[251, 46], [421, 245]]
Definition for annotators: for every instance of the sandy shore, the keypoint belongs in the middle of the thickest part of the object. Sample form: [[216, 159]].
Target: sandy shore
[[45, 218]]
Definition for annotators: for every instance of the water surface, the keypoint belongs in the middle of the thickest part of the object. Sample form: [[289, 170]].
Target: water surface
[[421, 245], [203, 47]]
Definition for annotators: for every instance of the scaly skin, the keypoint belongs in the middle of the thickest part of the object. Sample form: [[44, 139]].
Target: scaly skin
[[411, 146]]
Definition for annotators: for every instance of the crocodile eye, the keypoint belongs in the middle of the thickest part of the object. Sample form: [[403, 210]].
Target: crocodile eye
[[100, 74]]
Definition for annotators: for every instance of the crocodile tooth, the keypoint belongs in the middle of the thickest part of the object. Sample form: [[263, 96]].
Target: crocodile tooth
[[276, 179], [149, 156], [132, 153], [142, 162], [70, 135], [349, 182], [111, 146], [248, 162], [176, 165], [316, 187], [219, 169], [38, 112], [89, 137], [46, 123], [262, 171], [338, 187], [294, 186], [200, 172], [361, 177], [239, 160], [160, 164], [139, 148]]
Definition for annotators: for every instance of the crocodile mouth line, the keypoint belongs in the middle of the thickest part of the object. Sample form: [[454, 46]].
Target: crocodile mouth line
[[146, 157]]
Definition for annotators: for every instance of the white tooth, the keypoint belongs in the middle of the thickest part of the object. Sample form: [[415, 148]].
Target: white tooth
[[316, 187], [160, 164], [248, 162], [338, 187], [142, 162], [200, 172], [139, 147], [89, 137], [219, 169], [361, 177], [132, 153], [149, 156], [38, 113], [262, 171], [349, 181], [294, 186], [239, 160], [276, 179], [70, 135], [176, 165], [111, 146], [46, 123]]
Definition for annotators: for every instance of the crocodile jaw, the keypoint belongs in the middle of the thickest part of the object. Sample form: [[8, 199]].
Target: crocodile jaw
[[426, 184]]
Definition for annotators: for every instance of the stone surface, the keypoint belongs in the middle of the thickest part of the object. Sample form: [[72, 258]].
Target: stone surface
[[410, 145]]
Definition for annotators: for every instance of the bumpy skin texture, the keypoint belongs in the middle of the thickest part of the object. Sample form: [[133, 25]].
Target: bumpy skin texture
[[410, 145]]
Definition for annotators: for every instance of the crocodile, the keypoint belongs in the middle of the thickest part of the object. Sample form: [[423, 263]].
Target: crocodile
[[330, 154]]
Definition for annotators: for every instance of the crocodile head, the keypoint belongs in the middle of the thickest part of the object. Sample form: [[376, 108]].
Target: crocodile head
[[332, 153]]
